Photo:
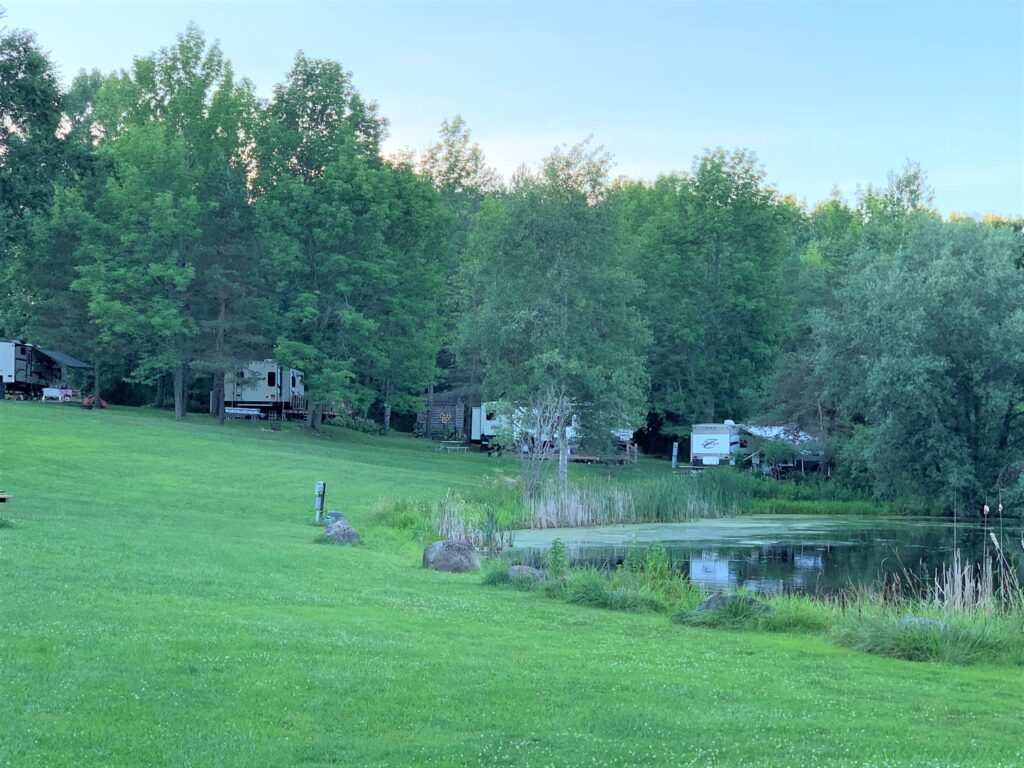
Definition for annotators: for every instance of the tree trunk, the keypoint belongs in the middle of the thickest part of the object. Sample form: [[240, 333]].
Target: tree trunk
[[218, 386], [563, 454], [314, 417], [96, 385], [179, 391], [158, 401], [387, 417], [218, 378]]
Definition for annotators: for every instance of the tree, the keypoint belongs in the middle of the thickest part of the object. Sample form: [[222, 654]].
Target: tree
[[925, 347], [30, 163], [187, 96], [710, 246], [351, 242], [551, 298], [133, 253]]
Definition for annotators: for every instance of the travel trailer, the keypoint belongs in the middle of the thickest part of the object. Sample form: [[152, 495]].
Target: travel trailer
[[26, 370], [270, 388], [714, 444]]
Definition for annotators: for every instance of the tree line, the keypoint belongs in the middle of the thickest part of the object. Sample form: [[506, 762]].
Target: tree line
[[168, 225]]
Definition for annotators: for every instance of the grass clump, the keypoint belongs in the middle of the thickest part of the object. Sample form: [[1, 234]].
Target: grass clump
[[963, 639]]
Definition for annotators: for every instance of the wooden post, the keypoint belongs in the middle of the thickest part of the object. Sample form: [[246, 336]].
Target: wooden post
[[675, 456]]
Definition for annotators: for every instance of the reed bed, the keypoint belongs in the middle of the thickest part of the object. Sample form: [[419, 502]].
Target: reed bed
[[666, 499]]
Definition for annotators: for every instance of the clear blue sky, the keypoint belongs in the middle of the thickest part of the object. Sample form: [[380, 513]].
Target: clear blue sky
[[827, 93]]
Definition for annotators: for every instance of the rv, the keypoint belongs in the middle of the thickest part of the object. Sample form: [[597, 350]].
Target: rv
[[268, 387], [487, 422], [26, 370], [714, 444]]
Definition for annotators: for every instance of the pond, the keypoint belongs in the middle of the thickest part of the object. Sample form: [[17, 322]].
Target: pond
[[789, 553]]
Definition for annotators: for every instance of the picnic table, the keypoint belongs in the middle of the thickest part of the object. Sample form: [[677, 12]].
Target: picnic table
[[253, 414], [451, 446]]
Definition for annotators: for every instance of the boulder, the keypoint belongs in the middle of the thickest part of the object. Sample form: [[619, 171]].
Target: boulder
[[451, 556], [340, 531], [332, 517], [722, 602], [526, 572], [918, 622]]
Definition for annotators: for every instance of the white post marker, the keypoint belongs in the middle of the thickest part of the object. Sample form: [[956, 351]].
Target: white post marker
[[675, 456], [321, 490]]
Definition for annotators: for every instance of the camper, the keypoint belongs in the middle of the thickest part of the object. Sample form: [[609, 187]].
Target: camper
[[26, 370], [714, 444], [268, 387], [487, 422]]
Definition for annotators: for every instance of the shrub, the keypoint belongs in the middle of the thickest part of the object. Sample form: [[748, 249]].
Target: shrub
[[557, 561], [495, 573]]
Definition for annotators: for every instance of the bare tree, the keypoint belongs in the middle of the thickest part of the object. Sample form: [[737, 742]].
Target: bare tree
[[537, 429]]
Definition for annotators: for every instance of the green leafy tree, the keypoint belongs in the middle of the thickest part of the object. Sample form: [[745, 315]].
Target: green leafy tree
[[350, 244], [30, 164], [711, 247], [550, 298], [925, 348]]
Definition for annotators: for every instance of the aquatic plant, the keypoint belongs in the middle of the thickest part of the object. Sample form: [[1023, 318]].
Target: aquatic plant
[[664, 499]]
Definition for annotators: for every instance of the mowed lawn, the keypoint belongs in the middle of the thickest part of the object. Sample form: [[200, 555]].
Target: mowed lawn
[[163, 603]]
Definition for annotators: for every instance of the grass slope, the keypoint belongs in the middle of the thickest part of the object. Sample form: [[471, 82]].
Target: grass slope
[[163, 604]]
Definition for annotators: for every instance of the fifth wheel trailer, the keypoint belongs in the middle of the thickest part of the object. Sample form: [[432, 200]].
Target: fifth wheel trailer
[[714, 444], [26, 370], [268, 387]]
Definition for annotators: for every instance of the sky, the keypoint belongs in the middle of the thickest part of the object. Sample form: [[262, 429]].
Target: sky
[[829, 94]]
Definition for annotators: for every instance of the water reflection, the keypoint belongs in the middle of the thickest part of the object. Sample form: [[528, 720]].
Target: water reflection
[[793, 553]]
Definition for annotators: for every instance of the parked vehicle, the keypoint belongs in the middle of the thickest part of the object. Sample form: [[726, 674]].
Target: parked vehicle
[[26, 370], [268, 387]]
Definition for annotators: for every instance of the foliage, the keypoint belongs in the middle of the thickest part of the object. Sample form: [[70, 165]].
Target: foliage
[[925, 348], [710, 247], [549, 297]]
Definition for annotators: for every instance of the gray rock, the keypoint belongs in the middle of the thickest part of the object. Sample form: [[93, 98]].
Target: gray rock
[[722, 602], [918, 622], [340, 531], [526, 572], [332, 517], [451, 556]]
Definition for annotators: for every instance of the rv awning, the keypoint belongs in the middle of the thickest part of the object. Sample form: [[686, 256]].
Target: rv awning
[[66, 360]]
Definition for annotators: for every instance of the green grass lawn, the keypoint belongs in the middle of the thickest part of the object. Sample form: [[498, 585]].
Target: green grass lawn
[[163, 603]]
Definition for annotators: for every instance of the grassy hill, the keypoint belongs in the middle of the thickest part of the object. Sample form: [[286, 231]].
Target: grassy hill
[[163, 603]]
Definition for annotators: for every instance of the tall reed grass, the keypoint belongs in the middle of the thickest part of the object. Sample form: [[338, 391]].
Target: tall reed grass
[[665, 499]]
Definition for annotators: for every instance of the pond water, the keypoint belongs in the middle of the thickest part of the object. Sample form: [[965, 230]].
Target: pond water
[[789, 553]]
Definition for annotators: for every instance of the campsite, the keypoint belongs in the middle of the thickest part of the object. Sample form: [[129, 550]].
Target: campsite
[[167, 604], [513, 383]]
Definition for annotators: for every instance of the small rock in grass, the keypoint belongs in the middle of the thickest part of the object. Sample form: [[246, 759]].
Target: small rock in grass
[[332, 517], [340, 531], [526, 572], [723, 602], [918, 622], [451, 556]]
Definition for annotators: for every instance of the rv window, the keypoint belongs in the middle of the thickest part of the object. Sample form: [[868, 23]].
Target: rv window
[[293, 381], [272, 379]]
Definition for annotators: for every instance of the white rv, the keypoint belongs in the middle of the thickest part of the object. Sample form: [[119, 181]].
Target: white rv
[[714, 444], [487, 422], [267, 386], [26, 370]]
